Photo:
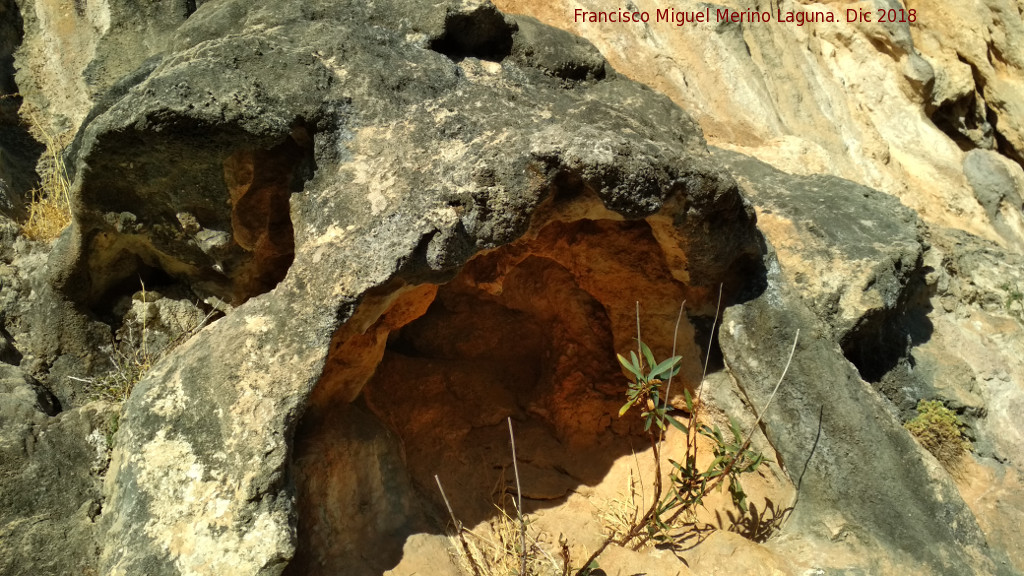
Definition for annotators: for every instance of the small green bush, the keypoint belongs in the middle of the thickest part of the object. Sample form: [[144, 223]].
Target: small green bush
[[688, 485], [939, 430], [1014, 302]]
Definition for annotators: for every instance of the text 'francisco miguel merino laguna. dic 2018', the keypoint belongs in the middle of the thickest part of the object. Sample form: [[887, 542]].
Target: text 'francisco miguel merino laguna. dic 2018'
[[709, 15]]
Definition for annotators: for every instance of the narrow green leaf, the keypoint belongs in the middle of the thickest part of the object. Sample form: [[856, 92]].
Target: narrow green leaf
[[735, 431], [739, 497], [646, 350], [631, 366], [663, 368], [682, 427]]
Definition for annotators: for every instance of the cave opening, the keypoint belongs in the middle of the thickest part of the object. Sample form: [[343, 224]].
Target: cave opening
[[422, 380], [145, 278], [219, 223], [881, 345]]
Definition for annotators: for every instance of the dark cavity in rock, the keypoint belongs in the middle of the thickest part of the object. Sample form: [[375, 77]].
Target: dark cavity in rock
[[482, 33], [882, 339]]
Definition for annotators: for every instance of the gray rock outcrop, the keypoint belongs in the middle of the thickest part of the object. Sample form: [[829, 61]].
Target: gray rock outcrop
[[50, 490], [407, 223], [404, 145]]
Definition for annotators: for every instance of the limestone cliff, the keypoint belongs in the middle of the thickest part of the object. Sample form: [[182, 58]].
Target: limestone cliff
[[324, 253]]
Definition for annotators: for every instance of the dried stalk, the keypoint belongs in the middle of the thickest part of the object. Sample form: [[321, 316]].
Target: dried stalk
[[519, 500]]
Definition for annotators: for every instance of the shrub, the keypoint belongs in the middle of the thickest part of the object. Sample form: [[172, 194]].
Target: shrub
[[1014, 301], [939, 430], [688, 484], [648, 391]]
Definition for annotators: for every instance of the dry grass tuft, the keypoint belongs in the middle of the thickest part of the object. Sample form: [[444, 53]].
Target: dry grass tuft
[[495, 549], [619, 515], [130, 360], [507, 545], [132, 357], [49, 212]]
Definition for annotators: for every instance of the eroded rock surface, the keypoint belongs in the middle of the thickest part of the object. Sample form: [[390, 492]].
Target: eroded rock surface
[[893, 106], [423, 159], [53, 467], [72, 55], [868, 102], [18, 151], [410, 222]]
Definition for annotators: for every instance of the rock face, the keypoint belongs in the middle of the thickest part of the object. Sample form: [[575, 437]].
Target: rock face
[[926, 112], [71, 56], [50, 492], [18, 151], [412, 225], [429, 145], [892, 106]]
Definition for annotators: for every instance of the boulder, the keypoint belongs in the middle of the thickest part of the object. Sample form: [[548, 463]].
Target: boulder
[[18, 151], [884, 498], [50, 478], [854, 252], [325, 174], [998, 184], [70, 57]]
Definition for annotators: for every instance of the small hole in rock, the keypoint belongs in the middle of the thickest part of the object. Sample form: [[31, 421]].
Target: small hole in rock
[[483, 33]]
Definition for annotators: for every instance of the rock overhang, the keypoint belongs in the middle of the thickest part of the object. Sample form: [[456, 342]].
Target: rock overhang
[[527, 331], [419, 244], [419, 162], [211, 101]]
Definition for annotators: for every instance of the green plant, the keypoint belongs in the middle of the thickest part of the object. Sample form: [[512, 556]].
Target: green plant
[[940, 431], [1014, 302], [649, 391], [688, 484], [511, 550]]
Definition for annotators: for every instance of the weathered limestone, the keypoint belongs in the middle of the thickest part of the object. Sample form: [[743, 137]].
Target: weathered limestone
[[410, 222]]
